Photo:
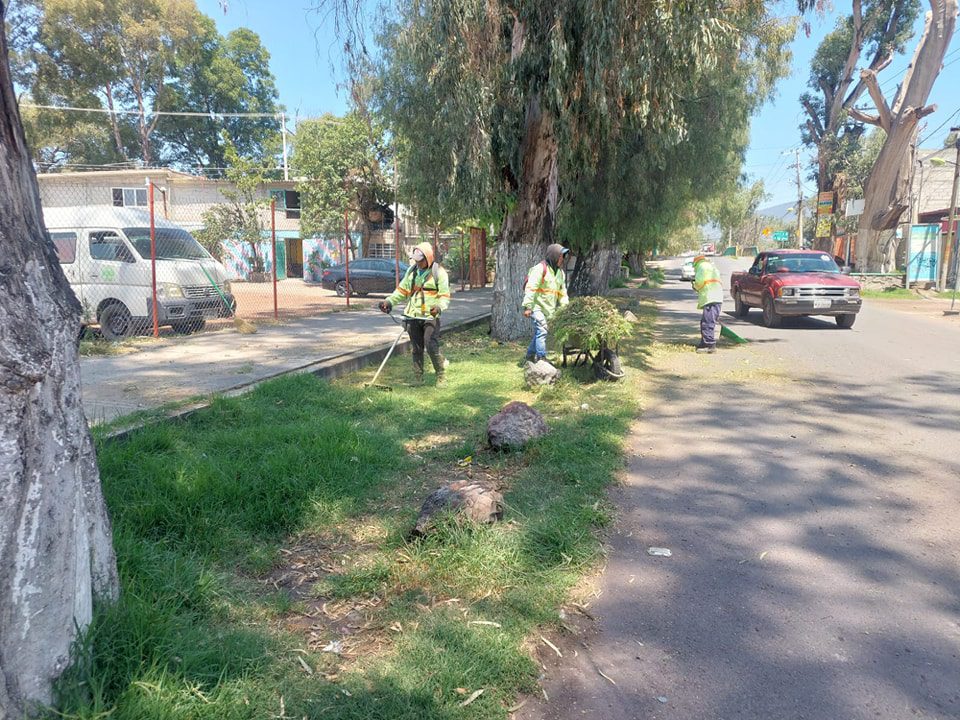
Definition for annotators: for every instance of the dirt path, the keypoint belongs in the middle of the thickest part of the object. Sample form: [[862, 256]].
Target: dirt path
[[807, 487]]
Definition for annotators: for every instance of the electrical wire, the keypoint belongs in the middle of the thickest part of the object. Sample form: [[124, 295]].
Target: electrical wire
[[172, 113]]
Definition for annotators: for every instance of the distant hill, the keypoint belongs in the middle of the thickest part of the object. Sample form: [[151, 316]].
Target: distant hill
[[783, 211]]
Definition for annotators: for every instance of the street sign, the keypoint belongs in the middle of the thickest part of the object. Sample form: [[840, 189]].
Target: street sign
[[825, 203], [781, 236], [766, 231]]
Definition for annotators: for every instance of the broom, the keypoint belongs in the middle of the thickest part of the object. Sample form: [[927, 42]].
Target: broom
[[731, 335], [244, 327]]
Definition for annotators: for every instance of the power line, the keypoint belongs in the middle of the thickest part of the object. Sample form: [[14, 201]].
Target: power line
[[939, 127], [170, 113]]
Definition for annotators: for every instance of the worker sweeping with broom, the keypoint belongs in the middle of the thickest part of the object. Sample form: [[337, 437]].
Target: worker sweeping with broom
[[709, 289], [426, 289]]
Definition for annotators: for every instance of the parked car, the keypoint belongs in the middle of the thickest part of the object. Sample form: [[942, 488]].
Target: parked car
[[367, 275], [687, 272], [105, 255], [789, 283]]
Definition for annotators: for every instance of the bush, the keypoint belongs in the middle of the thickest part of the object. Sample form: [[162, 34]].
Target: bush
[[591, 322]]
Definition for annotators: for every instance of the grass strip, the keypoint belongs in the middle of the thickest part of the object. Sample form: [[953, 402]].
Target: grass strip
[[264, 558]]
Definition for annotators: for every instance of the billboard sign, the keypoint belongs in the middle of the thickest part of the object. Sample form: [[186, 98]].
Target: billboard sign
[[923, 253]]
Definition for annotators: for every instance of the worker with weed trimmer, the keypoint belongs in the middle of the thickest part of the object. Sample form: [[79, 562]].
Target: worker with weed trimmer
[[709, 289], [426, 289], [545, 290]]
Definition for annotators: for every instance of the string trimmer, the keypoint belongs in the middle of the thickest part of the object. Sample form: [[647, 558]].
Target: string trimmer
[[373, 383]]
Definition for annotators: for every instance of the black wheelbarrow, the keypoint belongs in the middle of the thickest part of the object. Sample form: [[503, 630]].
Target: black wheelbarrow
[[605, 361]]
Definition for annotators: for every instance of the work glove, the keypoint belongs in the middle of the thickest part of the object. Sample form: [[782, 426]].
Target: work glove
[[385, 306], [527, 312], [435, 311]]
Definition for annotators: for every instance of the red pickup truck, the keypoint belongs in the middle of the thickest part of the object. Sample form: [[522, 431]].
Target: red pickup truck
[[787, 283]]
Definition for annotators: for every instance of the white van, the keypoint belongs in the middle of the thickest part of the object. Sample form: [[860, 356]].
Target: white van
[[105, 254]]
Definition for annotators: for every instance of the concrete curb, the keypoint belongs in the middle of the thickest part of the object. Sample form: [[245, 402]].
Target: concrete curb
[[327, 369]]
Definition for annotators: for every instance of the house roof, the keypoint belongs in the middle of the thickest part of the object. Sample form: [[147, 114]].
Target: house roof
[[138, 176]]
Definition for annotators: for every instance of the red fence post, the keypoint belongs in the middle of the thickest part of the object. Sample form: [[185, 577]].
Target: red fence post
[[346, 246], [273, 237], [153, 264]]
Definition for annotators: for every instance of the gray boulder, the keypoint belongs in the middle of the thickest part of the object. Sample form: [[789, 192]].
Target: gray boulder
[[475, 501], [514, 426], [540, 373]]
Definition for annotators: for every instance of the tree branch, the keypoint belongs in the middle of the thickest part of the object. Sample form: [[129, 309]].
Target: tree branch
[[835, 103], [863, 117], [814, 123], [869, 78]]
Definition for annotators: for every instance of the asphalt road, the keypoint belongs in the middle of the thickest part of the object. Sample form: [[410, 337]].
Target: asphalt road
[[808, 486]]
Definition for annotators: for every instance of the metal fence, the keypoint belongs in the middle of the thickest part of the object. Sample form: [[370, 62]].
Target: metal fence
[[159, 252]]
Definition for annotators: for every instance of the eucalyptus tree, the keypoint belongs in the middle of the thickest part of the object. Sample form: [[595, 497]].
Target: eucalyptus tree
[[887, 186], [509, 103], [868, 38], [56, 554]]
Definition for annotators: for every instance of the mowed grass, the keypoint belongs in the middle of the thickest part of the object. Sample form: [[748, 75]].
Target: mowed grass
[[242, 530]]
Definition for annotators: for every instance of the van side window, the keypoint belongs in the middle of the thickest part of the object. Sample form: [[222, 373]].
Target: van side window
[[65, 243], [107, 245]]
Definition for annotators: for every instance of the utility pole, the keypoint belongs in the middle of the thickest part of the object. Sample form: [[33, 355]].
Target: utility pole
[[951, 232], [799, 201], [283, 132]]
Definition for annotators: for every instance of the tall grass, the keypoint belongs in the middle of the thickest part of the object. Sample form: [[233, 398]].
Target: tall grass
[[205, 509]]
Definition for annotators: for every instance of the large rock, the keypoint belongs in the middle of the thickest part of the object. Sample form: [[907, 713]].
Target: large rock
[[514, 426], [475, 501], [540, 373]]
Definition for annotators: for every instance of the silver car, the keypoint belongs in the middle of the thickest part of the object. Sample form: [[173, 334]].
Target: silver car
[[687, 272]]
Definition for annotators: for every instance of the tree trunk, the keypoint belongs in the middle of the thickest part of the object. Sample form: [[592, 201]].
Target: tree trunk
[[55, 539], [478, 258], [528, 228], [885, 192], [635, 261], [594, 270]]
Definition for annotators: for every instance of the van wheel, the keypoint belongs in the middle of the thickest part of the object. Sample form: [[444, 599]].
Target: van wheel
[[116, 322], [185, 327]]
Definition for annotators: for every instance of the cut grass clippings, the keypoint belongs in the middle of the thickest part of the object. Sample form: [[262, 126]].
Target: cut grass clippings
[[264, 557]]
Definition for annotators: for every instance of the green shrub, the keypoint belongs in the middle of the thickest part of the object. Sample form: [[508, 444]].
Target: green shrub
[[591, 321]]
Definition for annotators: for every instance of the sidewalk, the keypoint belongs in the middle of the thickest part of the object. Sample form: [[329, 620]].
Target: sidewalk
[[217, 362]]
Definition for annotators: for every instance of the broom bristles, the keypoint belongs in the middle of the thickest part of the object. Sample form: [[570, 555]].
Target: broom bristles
[[244, 327]]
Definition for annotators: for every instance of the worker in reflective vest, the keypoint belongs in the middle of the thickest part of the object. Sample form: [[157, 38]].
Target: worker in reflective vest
[[709, 289], [426, 289], [544, 291]]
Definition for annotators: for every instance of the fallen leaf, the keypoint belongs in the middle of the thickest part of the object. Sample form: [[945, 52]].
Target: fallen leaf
[[306, 667], [603, 674], [484, 622], [473, 697]]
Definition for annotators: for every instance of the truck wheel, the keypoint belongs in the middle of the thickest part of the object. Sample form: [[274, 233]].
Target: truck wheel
[[771, 318], [116, 322], [845, 320], [740, 308]]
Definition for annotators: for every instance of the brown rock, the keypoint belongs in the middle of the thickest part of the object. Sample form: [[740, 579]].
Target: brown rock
[[475, 501], [514, 426]]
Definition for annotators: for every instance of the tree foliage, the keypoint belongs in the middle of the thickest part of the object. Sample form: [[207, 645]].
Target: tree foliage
[[134, 59], [342, 162], [241, 217]]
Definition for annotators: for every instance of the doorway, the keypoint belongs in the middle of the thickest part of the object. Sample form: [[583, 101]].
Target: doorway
[[294, 258]]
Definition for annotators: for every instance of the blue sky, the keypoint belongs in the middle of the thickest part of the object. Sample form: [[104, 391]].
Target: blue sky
[[303, 54]]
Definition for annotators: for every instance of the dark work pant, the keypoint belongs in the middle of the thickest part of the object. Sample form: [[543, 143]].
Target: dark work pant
[[708, 323], [425, 334]]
